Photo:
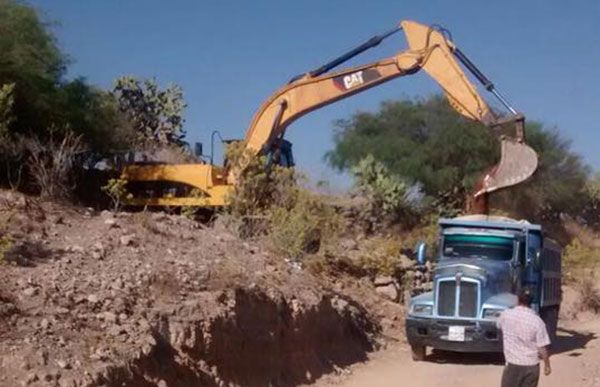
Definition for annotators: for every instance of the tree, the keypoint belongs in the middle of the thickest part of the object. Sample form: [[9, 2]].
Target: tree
[[40, 97], [423, 142], [156, 115], [38, 105], [426, 142], [31, 61], [7, 101], [388, 198], [591, 211]]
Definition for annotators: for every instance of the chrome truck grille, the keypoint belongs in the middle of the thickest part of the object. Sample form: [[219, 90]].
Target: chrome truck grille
[[457, 298]]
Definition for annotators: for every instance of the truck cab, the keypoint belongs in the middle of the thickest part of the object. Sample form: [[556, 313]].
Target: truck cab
[[481, 263]]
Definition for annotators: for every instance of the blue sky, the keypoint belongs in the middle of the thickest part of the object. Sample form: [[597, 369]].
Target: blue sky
[[230, 55]]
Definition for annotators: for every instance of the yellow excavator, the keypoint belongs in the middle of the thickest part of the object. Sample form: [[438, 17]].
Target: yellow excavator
[[429, 48]]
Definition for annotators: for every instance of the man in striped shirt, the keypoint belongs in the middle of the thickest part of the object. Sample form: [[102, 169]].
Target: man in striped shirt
[[525, 341]]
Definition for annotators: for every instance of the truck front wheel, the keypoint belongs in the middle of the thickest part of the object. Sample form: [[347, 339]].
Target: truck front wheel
[[418, 352]]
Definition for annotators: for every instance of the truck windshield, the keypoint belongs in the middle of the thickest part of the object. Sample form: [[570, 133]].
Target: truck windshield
[[478, 246]]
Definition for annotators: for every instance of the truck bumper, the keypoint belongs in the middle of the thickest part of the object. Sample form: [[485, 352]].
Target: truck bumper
[[480, 336]]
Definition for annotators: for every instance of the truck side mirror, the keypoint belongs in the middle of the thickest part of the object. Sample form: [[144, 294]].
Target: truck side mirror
[[421, 251]]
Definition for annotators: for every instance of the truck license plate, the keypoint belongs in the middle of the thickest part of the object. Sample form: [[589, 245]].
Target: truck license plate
[[456, 333]]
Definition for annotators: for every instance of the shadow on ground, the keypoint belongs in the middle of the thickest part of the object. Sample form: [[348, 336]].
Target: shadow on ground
[[567, 340], [443, 357]]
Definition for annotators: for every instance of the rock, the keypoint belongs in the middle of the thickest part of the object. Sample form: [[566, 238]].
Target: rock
[[162, 383], [406, 263], [110, 317], [98, 251], [31, 291], [116, 330], [76, 249], [43, 357], [389, 291], [44, 324], [159, 216], [127, 240], [67, 383], [143, 324], [25, 366], [31, 378], [383, 280], [111, 222], [63, 364], [249, 247], [92, 298], [339, 304], [100, 354], [349, 244]]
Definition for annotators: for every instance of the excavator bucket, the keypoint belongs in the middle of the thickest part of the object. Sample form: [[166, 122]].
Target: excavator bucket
[[517, 163]]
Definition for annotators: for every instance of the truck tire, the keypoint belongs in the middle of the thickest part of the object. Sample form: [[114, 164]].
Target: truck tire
[[418, 352]]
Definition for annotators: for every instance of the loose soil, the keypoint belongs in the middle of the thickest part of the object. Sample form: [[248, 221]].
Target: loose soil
[[574, 363], [93, 298]]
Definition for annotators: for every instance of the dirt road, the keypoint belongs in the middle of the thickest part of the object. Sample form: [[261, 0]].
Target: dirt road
[[576, 363]]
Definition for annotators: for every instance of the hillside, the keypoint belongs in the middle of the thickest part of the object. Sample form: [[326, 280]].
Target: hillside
[[148, 299]]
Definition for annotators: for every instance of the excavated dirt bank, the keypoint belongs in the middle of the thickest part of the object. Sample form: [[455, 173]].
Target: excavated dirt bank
[[148, 299], [258, 340]]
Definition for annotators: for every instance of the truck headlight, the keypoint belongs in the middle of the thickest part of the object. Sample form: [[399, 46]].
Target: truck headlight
[[422, 309], [492, 313]]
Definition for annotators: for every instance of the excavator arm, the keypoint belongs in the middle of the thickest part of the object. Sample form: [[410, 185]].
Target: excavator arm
[[429, 50]]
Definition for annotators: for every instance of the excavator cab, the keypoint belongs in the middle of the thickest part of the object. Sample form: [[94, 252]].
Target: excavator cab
[[281, 154]]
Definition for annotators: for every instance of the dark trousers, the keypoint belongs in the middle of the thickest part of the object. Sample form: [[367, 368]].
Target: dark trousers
[[520, 376]]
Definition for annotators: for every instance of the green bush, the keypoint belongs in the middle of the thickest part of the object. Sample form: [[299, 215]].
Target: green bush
[[268, 201], [116, 189], [258, 188], [426, 231], [387, 196], [381, 256], [6, 244], [304, 226]]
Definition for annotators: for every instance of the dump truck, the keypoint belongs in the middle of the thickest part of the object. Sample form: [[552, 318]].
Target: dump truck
[[480, 264]]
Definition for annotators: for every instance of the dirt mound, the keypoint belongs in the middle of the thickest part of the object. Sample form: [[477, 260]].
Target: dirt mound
[[144, 299]]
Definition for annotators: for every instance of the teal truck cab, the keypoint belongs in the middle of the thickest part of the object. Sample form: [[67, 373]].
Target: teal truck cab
[[482, 262]]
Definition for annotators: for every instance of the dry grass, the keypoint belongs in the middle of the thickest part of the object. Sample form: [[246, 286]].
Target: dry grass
[[589, 295], [145, 220], [578, 259], [50, 163]]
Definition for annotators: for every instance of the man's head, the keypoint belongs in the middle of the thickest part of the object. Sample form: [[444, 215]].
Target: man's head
[[524, 297]]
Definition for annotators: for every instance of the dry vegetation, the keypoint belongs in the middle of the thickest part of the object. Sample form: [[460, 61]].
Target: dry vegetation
[[270, 204]]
